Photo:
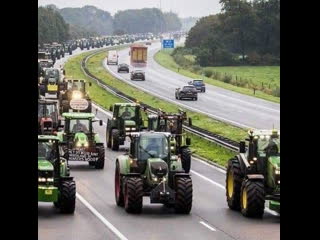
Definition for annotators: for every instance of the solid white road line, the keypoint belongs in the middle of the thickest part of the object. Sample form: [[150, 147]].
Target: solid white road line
[[207, 226], [208, 179], [101, 218]]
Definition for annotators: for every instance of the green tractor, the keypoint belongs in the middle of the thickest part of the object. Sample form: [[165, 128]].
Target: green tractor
[[75, 97], [127, 118], [253, 176], [79, 141], [173, 122], [54, 181], [152, 169]]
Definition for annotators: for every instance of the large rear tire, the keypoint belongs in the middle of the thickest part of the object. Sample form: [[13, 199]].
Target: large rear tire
[[115, 139], [184, 194], [67, 197], [252, 198], [133, 196], [233, 184], [186, 159], [118, 191], [101, 158]]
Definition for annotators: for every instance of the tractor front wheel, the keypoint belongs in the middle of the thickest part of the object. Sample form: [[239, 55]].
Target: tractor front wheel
[[186, 159], [233, 184], [252, 198], [100, 163], [184, 195], [133, 195], [67, 197], [118, 191], [115, 139]]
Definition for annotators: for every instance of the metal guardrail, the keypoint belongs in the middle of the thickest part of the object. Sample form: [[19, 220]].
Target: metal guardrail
[[210, 136]]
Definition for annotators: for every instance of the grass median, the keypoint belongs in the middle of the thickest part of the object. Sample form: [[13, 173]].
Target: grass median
[[200, 146]]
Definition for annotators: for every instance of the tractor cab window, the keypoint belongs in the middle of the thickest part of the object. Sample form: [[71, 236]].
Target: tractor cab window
[[153, 146], [47, 150], [79, 125], [269, 146], [127, 112], [172, 125], [45, 110]]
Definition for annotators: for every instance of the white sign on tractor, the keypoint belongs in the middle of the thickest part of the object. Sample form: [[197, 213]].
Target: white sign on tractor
[[79, 104]]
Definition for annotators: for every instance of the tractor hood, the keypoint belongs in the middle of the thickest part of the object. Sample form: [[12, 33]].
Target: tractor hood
[[157, 167], [275, 161], [44, 165], [81, 139]]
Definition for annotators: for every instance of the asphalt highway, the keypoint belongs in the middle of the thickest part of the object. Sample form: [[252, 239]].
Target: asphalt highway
[[235, 108], [97, 216]]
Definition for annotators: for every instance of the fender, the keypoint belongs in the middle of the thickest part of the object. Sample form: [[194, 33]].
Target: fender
[[123, 164], [255, 177]]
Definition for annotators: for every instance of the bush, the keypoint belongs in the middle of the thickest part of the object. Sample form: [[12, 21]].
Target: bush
[[196, 69], [276, 92], [254, 58], [269, 59], [226, 78], [208, 72], [216, 75]]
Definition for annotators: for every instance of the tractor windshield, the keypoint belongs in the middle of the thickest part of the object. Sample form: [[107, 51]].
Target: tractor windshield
[[76, 86], [269, 146], [47, 150], [45, 110], [153, 146], [127, 112], [79, 125]]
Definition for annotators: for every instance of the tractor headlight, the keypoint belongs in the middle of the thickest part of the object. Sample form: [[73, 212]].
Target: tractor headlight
[[76, 95], [128, 129], [49, 179], [155, 179], [277, 172], [78, 144], [86, 144], [41, 179]]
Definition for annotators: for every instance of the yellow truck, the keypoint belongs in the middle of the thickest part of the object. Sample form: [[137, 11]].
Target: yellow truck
[[138, 55]]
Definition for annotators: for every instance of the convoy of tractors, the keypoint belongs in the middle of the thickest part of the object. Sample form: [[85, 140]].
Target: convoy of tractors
[[157, 164]]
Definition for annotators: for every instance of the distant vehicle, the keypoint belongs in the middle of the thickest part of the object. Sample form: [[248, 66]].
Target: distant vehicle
[[138, 74], [123, 67], [138, 55], [148, 43], [198, 84], [186, 92], [112, 57]]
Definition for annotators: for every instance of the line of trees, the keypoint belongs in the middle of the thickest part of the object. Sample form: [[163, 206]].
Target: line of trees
[[145, 20], [243, 33]]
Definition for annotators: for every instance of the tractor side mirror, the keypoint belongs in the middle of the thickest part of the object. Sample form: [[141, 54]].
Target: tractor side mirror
[[190, 83], [64, 72], [90, 84], [100, 122], [188, 141], [111, 108], [242, 147], [190, 121]]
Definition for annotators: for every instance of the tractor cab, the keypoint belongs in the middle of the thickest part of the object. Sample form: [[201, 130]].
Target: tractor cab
[[255, 169], [79, 141], [77, 124], [150, 169], [173, 123], [48, 116], [127, 118], [54, 181]]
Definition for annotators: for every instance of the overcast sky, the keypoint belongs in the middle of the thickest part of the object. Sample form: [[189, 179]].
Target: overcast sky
[[184, 8]]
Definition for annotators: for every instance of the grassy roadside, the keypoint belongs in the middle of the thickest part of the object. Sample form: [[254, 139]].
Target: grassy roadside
[[95, 66], [200, 146], [164, 59]]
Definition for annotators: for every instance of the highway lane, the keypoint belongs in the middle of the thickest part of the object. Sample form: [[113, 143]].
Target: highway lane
[[209, 219], [226, 105], [209, 206]]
